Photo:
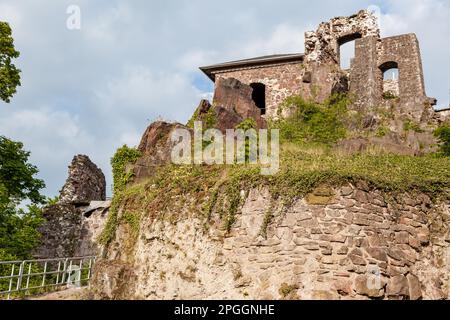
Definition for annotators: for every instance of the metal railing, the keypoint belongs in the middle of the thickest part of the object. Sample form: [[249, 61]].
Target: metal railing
[[30, 277]]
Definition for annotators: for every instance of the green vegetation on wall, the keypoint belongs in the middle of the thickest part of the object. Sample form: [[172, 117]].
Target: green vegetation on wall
[[307, 162], [123, 157], [121, 177], [313, 122]]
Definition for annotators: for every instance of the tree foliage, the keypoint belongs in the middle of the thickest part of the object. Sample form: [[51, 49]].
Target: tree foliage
[[18, 225], [9, 74], [17, 181], [443, 135]]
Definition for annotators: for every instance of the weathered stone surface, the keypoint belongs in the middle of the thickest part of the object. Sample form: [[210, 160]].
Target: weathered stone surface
[[370, 261], [382, 251], [366, 287], [223, 118], [415, 290], [72, 226], [236, 97], [398, 286], [61, 232], [86, 183], [378, 254], [156, 147]]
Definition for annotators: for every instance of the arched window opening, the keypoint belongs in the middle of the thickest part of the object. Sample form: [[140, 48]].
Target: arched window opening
[[390, 76], [259, 96], [346, 50]]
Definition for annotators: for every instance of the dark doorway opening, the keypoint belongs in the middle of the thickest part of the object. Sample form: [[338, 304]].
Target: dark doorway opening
[[259, 96]]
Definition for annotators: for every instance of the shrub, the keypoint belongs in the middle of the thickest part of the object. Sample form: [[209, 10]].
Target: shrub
[[443, 135], [124, 156], [313, 122]]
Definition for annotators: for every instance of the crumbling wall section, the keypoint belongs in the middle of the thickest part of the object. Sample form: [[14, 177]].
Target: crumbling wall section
[[404, 50], [323, 45], [72, 225], [86, 182]]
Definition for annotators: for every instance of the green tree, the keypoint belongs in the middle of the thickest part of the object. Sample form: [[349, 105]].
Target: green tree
[[443, 135], [17, 181], [18, 226], [9, 74]]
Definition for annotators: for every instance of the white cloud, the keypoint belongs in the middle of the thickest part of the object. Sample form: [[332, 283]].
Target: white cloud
[[284, 38], [138, 93]]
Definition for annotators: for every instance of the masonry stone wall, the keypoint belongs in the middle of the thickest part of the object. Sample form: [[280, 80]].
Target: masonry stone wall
[[404, 50], [281, 81], [343, 243], [73, 224], [391, 86]]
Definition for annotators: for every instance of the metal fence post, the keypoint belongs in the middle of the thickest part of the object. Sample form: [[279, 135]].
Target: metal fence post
[[19, 280], [64, 271], [45, 273], [11, 280]]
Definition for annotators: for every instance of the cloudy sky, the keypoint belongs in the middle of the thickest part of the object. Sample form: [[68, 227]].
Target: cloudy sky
[[92, 90]]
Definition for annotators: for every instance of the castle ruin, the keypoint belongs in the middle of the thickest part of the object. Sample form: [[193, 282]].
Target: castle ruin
[[317, 73]]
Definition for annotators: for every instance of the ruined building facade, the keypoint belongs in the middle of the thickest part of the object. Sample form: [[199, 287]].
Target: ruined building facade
[[317, 73]]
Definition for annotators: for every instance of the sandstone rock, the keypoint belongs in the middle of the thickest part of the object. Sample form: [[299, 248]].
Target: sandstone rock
[[86, 183], [217, 117], [398, 286], [378, 254], [357, 260], [346, 191], [236, 97], [343, 287], [324, 295], [415, 291], [114, 281], [366, 287], [156, 147]]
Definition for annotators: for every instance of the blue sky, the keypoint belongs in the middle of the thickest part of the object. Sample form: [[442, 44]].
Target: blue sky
[[91, 90]]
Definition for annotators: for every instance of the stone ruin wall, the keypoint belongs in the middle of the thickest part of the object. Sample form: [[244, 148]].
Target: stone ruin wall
[[344, 243], [320, 74], [372, 57], [391, 86], [281, 81], [73, 224]]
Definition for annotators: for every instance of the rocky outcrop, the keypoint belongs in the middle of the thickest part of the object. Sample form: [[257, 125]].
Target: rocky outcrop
[[86, 183], [351, 242], [236, 97], [156, 146]]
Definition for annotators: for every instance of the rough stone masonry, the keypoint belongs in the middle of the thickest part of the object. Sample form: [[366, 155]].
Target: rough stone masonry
[[336, 243], [76, 220], [317, 73]]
